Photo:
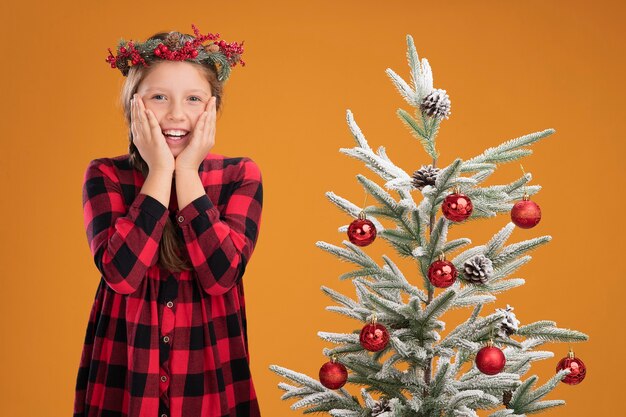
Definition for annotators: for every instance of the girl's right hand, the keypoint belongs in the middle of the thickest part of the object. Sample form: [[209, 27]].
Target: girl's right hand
[[149, 139]]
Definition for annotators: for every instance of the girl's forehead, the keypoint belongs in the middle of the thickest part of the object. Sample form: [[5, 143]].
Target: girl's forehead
[[155, 87], [175, 76]]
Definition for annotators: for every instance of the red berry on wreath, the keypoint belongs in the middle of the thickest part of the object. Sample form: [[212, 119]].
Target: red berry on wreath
[[490, 360], [577, 368], [442, 273], [525, 213], [333, 375], [456, 206], [374, 337], [361, 231]]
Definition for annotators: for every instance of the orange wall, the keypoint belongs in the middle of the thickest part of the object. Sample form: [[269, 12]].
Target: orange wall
[[510, 69]]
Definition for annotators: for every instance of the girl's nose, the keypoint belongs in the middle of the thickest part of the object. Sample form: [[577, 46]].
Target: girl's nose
[[175, 112]]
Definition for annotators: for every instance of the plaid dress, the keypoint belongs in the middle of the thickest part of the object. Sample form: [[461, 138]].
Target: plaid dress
[[161, 343]]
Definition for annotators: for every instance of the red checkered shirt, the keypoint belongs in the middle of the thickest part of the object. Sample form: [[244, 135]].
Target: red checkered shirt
[[161, 343]]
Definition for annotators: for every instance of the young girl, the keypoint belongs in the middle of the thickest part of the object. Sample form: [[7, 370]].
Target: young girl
[[171, 228]]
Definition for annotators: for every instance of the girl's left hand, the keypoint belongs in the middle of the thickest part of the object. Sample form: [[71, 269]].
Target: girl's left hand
[[201, 141]]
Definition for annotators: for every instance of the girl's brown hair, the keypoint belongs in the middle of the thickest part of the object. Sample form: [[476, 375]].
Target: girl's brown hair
[[171, 247]]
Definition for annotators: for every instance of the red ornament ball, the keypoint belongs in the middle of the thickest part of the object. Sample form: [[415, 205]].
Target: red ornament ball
[[526, 214], [374, 337], [457, 207], [577, 368], [490, 360], [442, 273], [361, 232], [333, 375]]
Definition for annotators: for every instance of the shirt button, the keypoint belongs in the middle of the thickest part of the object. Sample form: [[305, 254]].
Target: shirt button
[[166, 339], [163, 415], [163, 378], [170, 304], [181, 219]]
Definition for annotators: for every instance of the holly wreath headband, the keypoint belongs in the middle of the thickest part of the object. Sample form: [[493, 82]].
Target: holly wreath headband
[[221, 54]]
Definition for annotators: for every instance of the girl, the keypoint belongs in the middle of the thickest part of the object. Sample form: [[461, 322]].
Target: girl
[[171, 228]]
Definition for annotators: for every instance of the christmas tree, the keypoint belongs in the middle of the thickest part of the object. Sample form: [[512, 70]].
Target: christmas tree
[[401, 358]]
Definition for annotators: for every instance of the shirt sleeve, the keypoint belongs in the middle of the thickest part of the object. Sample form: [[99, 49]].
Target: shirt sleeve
[[221, 244], [124, 242]]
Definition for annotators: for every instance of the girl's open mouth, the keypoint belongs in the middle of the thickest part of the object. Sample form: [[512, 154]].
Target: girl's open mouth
[[175, 137]]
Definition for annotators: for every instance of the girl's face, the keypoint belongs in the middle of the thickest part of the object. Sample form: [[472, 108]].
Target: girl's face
[[177, 93]]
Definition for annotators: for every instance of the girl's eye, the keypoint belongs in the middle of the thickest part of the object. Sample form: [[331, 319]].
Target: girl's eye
[[192, 97]]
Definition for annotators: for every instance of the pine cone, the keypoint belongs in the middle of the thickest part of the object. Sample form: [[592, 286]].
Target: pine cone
[[122, 65], [506, 398], [380, 407], [212, 48], [424, 176], [478, 269], [172, 41], [509, 323], [436, 104]]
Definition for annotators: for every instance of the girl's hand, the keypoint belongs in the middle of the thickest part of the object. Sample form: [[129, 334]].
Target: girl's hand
[[148, 138], [201, 141]]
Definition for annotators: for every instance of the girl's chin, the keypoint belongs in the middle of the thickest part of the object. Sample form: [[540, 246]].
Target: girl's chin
[[176, 150]]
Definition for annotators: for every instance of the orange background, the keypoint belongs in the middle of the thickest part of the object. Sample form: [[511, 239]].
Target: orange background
[[510, 69]]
